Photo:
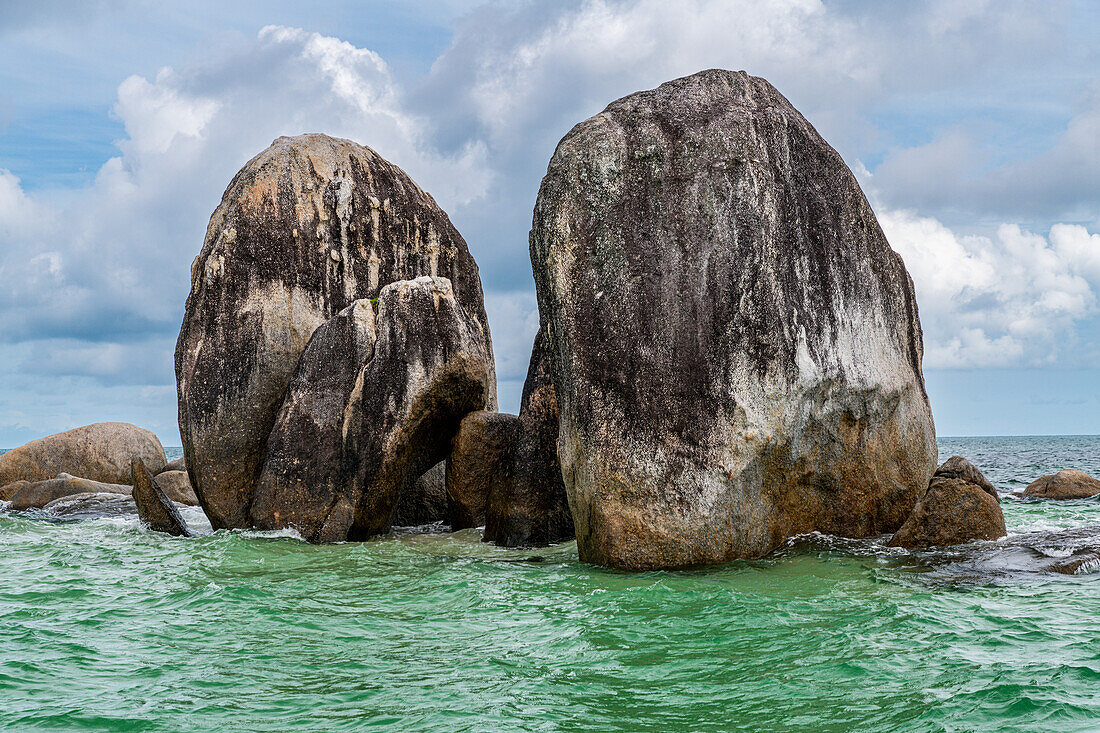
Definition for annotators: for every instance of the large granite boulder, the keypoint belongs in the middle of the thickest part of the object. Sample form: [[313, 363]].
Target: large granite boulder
[[528, 506], [430, 366], [99, 452], [1069, 483], [736, 351], [953, 511], [155, 509], [37, 494], [305, 229], [960, 468]]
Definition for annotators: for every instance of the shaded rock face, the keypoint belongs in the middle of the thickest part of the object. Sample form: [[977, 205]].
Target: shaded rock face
[[424, 501], [177, 465], [306, 465], [154, 508], [306, 228], [1069, 483], [430, 366], [529, 508], [36, 495], [99, 452], [960, 468], [736, 350], [177, 487], [952, 512]]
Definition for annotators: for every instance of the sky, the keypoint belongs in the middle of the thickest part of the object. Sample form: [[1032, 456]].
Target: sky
[[973, 127]]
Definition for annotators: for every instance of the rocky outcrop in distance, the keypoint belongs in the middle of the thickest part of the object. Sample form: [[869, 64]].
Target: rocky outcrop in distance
[[1069, 483], [344, 450], [99, 452], [736, 349], [25, 495], [305, 229]]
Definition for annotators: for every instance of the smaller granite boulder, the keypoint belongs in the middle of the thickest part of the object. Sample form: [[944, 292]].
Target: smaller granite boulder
[[531, 508], [177, 487], [1069, 483], [8, 490], [177, 465], [480, 455], [424, 501], [99, 452], [951, 512], [37, 494], [154, 508], [960, 468]]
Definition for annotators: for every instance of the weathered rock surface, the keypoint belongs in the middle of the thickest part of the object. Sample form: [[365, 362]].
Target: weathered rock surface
[[177, 487], [36, 495], [952, 512], [99, 452], [154, 508], [481, 454], [529, 506], [177, 465], [1069, 483], [424, 501], [306, 228], [307, 466], [736, 350], [7, 491], [960, 468], [430, 367]]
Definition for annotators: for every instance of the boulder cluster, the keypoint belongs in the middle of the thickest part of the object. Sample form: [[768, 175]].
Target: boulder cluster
[[71, 472], [729, 354], [334, 343]]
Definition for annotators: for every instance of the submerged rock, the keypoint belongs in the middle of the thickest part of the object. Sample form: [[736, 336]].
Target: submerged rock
[[305, 229], [952, 512], [736, 350], [99, 452], [529, 507], [1069, 483], [960, 468], [36, 495], [154, 508], [430, 367], [91, 506]]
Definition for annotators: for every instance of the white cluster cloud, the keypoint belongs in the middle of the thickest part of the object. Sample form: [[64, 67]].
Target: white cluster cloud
[[1009, 300], [95, 278]]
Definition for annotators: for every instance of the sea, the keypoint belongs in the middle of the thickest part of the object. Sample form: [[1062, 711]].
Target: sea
[[105, 626]]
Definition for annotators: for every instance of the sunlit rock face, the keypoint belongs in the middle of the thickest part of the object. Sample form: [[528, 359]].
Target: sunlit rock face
[[306, 228], [736, 351]]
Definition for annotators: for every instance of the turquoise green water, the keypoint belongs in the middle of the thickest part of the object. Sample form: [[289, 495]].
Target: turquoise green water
[[108, 627]]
